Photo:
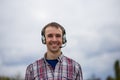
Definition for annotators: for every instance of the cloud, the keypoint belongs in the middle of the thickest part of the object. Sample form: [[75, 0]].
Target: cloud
[[92, 29], [13, 71]]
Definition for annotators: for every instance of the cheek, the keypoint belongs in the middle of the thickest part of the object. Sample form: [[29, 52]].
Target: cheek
[[60, 40], [48, 41]]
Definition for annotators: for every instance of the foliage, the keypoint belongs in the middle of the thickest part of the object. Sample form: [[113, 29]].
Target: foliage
[[117, 71]]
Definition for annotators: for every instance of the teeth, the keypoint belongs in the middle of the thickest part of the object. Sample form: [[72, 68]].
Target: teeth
[[54, 44]]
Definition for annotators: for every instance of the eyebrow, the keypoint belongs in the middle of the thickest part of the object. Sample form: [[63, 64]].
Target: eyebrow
[[51, 35]]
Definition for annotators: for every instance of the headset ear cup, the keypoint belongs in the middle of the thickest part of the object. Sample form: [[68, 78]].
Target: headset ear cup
[[43, 40], [64, 39]]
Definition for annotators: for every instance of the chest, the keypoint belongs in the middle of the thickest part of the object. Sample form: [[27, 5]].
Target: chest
[[62, 71]]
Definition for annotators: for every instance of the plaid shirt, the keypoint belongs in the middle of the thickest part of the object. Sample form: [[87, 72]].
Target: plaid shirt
[[65, 69]]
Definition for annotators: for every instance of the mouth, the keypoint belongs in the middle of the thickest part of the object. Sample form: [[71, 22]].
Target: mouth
[[55, 44]]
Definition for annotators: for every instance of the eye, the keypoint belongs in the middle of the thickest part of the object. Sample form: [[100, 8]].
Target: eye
[[50, 35], [58, 35]]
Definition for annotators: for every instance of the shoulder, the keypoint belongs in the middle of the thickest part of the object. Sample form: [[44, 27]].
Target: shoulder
[[73, 62], [34, 64], [70, 59]]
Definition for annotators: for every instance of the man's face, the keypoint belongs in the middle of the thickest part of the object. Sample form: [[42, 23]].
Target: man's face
[[53, 37]]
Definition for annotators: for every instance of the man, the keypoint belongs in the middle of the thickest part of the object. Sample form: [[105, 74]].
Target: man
[[54, 65]]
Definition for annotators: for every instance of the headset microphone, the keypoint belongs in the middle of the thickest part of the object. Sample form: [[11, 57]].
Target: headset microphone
[[63, 46]]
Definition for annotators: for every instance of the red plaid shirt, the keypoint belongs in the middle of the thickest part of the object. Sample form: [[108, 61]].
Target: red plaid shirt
[[65, 69]]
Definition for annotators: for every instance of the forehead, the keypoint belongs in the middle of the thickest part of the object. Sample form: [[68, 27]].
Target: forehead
[[53, 30]]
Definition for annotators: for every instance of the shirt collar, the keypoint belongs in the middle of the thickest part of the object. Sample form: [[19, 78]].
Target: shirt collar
[[59, 57]]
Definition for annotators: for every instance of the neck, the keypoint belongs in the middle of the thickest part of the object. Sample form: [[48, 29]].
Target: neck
[[51, 55]]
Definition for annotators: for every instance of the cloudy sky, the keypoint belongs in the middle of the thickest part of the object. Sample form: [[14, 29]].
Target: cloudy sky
[[92, 27]]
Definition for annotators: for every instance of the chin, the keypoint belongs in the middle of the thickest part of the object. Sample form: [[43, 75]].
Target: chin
[[55, 50]]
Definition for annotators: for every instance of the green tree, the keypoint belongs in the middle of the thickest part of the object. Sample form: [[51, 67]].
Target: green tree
[[117, 70], [4, 78], [109, 78]]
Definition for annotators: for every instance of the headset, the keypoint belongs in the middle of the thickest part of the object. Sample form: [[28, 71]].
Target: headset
[[57, 26]]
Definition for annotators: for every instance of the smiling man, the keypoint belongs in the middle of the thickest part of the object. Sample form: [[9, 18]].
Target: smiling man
[[54, 65]]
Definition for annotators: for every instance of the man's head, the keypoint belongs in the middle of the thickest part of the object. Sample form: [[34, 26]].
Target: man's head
[[53, 35], [55, 25]]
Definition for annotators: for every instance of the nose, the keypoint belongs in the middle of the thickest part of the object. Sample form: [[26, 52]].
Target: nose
[[54, 38]]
